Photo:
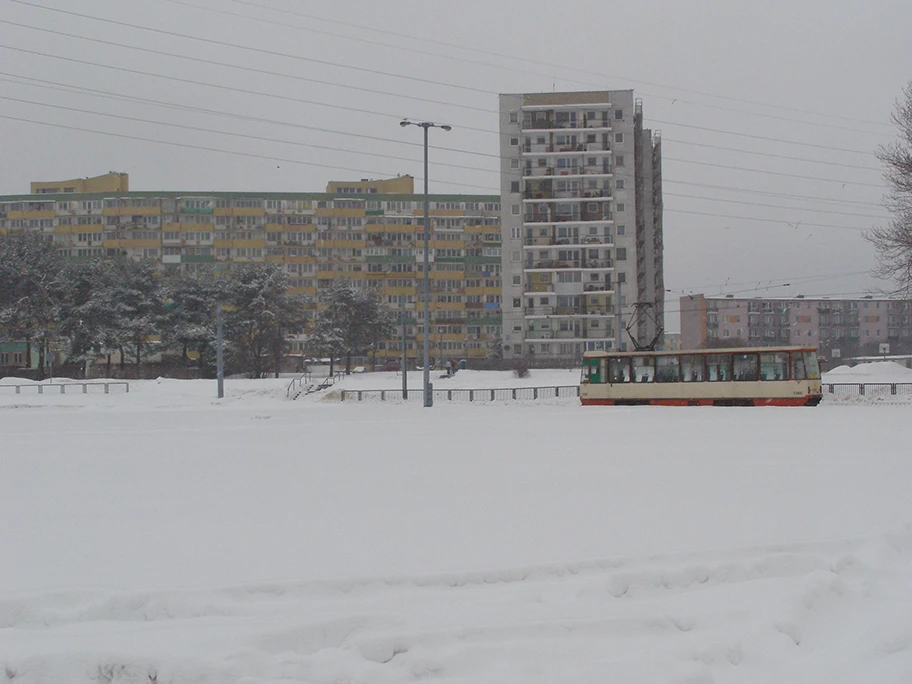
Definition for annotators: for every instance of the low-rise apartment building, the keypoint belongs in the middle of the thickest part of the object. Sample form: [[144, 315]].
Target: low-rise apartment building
[[838, 328]]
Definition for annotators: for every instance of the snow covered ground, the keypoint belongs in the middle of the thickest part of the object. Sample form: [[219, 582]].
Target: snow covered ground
[[168, 536]]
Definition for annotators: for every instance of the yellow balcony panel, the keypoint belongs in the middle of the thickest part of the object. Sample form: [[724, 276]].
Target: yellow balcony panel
[[328, 275], [248, 211], [304, 228], [351, 244], [300, 259], [347, 212], [246, 243], [444, 212], [38, 214], [275, 258], [134, 211], [222, 211], [375, 227]]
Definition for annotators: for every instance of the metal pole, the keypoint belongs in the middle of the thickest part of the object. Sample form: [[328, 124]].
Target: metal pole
[[618, 316], [219, 356], [428, 396], [404, 347]]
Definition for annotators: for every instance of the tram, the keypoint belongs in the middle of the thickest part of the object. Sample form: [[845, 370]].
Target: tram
[[744, 376]]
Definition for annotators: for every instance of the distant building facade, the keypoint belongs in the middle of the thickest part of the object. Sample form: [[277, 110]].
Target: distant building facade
[[838, 328], [581, 190], [369, 231], [110, 182]]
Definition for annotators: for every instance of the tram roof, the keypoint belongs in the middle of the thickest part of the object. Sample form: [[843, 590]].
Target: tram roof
[[690, 352]]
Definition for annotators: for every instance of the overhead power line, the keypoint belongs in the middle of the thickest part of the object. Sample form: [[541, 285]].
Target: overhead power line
[[357, 88], [527, 59]]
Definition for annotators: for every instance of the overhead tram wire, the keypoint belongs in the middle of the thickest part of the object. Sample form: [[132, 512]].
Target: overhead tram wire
[[246, 136], [282, 123], [247, 48], [260, 50], [490, 65], [203, 148], [254, 70], [551, 65], [486, 189], [51, 85], [358, 88], [315, 146], [160, 103]]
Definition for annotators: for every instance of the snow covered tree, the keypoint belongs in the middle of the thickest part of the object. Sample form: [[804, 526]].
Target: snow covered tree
[[354, 321], [134, 290], [259, 316], [893, 242], [30, 290], [87, 319], [188, 319], [495, 348]]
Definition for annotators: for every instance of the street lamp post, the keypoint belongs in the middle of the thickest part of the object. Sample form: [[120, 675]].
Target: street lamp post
[[428, 394]]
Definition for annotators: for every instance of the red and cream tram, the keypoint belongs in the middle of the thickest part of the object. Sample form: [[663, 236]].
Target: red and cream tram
[[767, 376]]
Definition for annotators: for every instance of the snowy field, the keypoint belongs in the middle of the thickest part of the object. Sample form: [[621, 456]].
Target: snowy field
[[168, 536]]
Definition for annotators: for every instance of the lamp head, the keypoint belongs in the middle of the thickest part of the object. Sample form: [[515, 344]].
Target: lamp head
[[447, 127], [404, 123]]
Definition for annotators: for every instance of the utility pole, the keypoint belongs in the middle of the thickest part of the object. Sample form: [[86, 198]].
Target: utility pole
[[404, 347], [619, 319], [219, 355]]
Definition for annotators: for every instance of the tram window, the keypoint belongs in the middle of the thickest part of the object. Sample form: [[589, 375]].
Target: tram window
[[774, 366], [745, 367], [718, 367], [667, 369], [692, 368], [643, 368], [810, 363], [619, 369], [592, 371], [799, 370]]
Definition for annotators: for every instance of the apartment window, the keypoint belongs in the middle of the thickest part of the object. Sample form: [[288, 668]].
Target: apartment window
[[517, 280], [516, 232], [621, 207], [619, 160], [619, 184], [517, 302], [542, 162], [514, 186], [618, 114], [621, 254], [618, 137], [514, 142], [514, 117], [514, 209], [622, 229], [514, 163]]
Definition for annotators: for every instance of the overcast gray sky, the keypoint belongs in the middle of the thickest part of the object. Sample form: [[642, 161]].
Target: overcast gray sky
[[769, 111]]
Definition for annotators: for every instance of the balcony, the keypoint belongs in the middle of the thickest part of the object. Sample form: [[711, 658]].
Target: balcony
[[549, 241], [548, 264]]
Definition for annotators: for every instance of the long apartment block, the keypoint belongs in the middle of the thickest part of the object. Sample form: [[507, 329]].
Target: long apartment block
[[370, 232], [581, 191], [838, 328]]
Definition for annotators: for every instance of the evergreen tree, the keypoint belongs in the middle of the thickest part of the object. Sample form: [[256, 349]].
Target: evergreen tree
[[31, 290], [188, 319], [259, 316], [354, 321]]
